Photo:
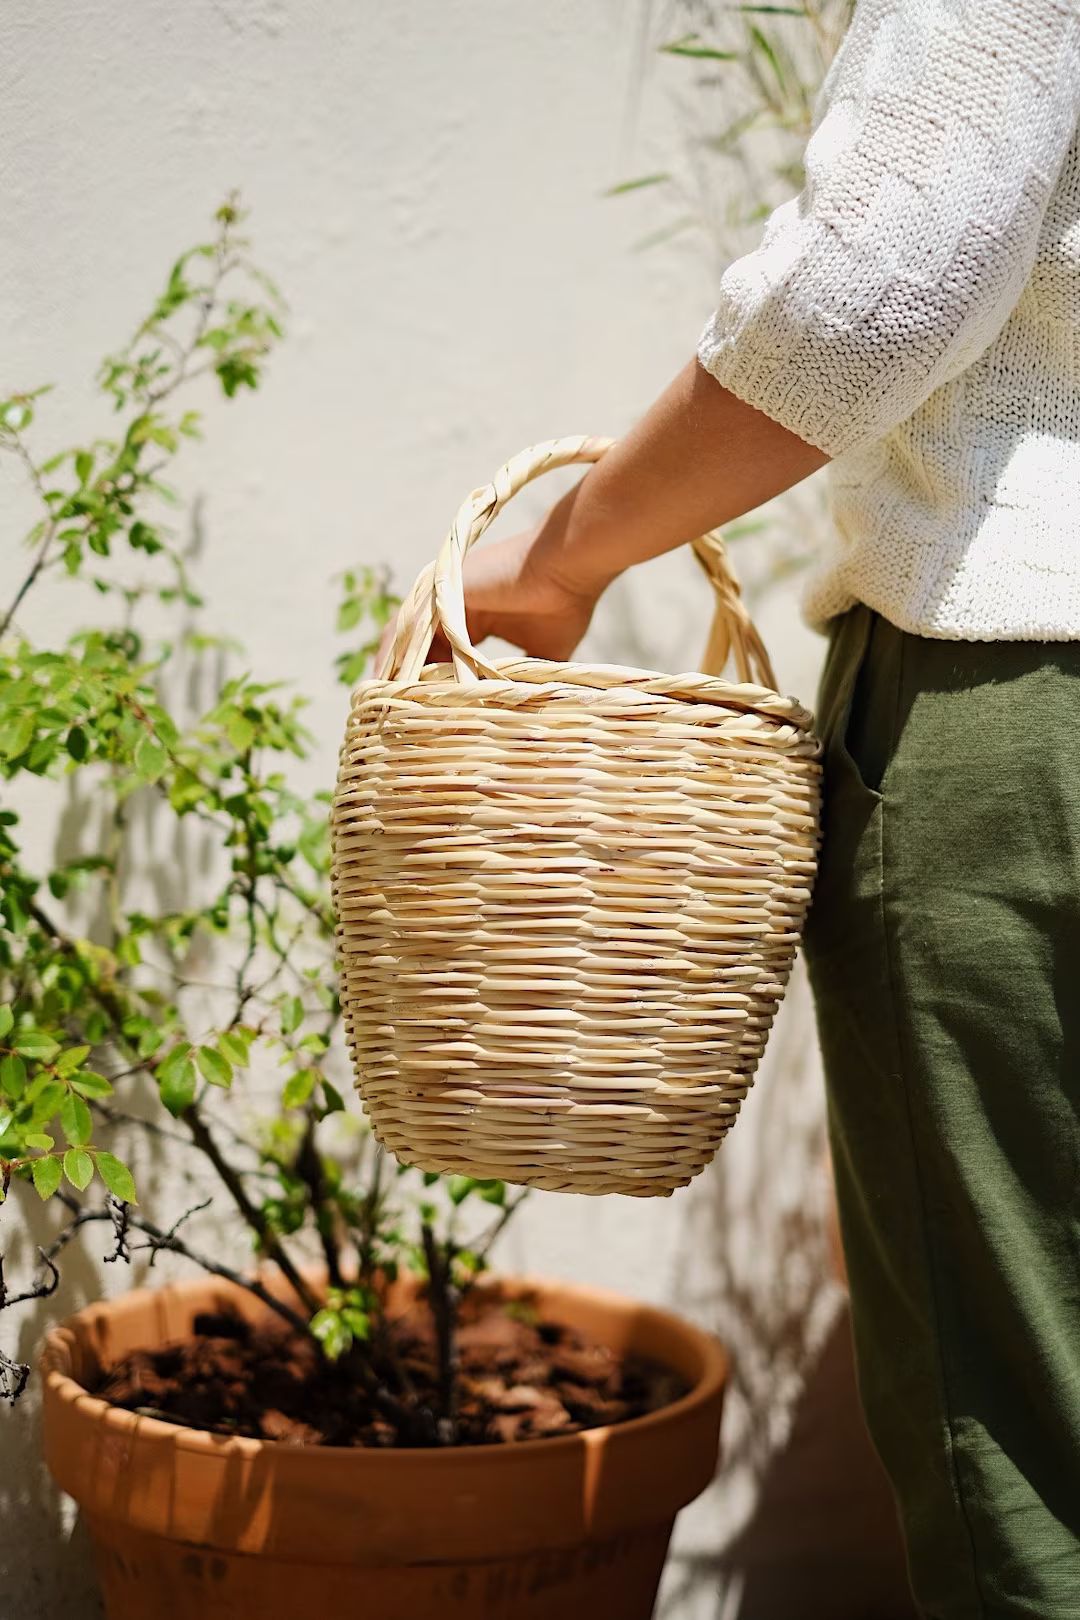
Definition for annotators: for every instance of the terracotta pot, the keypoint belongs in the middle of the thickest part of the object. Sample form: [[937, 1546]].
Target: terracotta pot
[[193, 1526]]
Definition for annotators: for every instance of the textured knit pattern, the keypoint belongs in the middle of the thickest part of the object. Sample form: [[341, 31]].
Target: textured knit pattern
[[915, 313]]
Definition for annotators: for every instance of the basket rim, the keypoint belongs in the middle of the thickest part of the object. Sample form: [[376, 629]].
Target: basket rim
[[546, 677]]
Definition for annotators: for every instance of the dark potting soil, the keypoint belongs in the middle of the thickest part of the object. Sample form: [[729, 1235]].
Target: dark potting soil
[[519, 1378]]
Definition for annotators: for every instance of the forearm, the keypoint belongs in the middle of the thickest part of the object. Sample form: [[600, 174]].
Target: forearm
[[698, 459]]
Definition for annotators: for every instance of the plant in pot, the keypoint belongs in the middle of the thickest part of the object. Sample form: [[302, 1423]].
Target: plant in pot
[[339, 1408]]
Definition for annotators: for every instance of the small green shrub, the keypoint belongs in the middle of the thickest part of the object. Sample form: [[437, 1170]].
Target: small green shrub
[[167, 1020]]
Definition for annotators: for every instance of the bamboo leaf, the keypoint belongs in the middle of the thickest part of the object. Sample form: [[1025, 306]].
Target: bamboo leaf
[[694, 46], [638, 184]]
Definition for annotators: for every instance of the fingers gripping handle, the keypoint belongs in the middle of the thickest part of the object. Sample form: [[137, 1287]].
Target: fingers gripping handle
[[437, 600]]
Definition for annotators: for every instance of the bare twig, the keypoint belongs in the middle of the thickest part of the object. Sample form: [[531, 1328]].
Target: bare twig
[[46, 1283], [159, 1240], [121, 1219], [14, 1376], [157, 1245]]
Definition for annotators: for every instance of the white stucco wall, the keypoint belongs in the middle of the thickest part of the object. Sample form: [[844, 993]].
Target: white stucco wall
[[425, 183]]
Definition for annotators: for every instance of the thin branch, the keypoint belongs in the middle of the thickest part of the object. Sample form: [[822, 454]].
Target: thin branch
[[47, 538], [121, 1219], [444, 1299], [44, 1286], [159, 1240], [203, 1139], [156, 1245], [14, 1377], [370, 1216], [308, 1167]]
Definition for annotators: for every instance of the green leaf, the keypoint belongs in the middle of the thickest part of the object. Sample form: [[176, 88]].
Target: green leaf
[[213, 1067], [150, 758], [357, 1321], [16, 416], [333, 1101], [7, 1020], [141, 537], [332, 1333], [638, 184], [178, 1091], [39, 1139], [36, 1045], [88, 1084], [69, 1060], [766, 48], [78, 745], [298, 1088], [117, 1177], [240, 732], [176, 1079], [16, 735], [75, 1120], [46, 1095], [235, 1048], [459, 1187], [694, 46], [150, 1040], [79, 1168], [46, 1174], [84, 466], [12, 1076], [292, 1014], [173, 1061]]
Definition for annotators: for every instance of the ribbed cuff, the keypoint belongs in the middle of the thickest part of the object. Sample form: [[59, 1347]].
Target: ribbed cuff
[[774, 379]]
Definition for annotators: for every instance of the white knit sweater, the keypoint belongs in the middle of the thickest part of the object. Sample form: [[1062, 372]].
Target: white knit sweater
[[916, 315]]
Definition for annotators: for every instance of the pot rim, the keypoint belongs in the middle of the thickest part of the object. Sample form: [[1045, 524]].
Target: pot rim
[[65, 1389]]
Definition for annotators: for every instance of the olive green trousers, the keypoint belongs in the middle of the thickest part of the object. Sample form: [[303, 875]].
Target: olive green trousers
[[944, 949]]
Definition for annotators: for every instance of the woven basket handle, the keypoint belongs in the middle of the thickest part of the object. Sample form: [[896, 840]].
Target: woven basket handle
[[437, 600]]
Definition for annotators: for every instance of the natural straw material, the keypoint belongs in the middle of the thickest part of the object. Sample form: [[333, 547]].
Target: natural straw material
[[568, 896]]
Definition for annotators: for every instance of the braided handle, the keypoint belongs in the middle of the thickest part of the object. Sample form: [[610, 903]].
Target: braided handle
[[437, 600]]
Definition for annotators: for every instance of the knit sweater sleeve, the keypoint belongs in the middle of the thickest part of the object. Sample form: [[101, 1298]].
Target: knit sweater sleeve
[[940, 133]]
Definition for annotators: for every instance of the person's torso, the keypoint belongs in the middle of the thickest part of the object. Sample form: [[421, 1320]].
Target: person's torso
[[964, 522]]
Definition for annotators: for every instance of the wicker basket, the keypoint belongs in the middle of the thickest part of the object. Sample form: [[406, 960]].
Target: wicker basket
[[568, 896]]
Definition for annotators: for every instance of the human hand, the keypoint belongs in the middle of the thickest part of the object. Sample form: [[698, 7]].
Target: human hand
[[516, 589]]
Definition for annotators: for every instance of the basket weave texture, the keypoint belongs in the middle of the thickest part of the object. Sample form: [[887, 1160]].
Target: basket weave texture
[[568, 896]]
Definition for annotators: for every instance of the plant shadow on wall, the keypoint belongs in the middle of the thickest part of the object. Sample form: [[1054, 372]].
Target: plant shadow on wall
[[744, 80]]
